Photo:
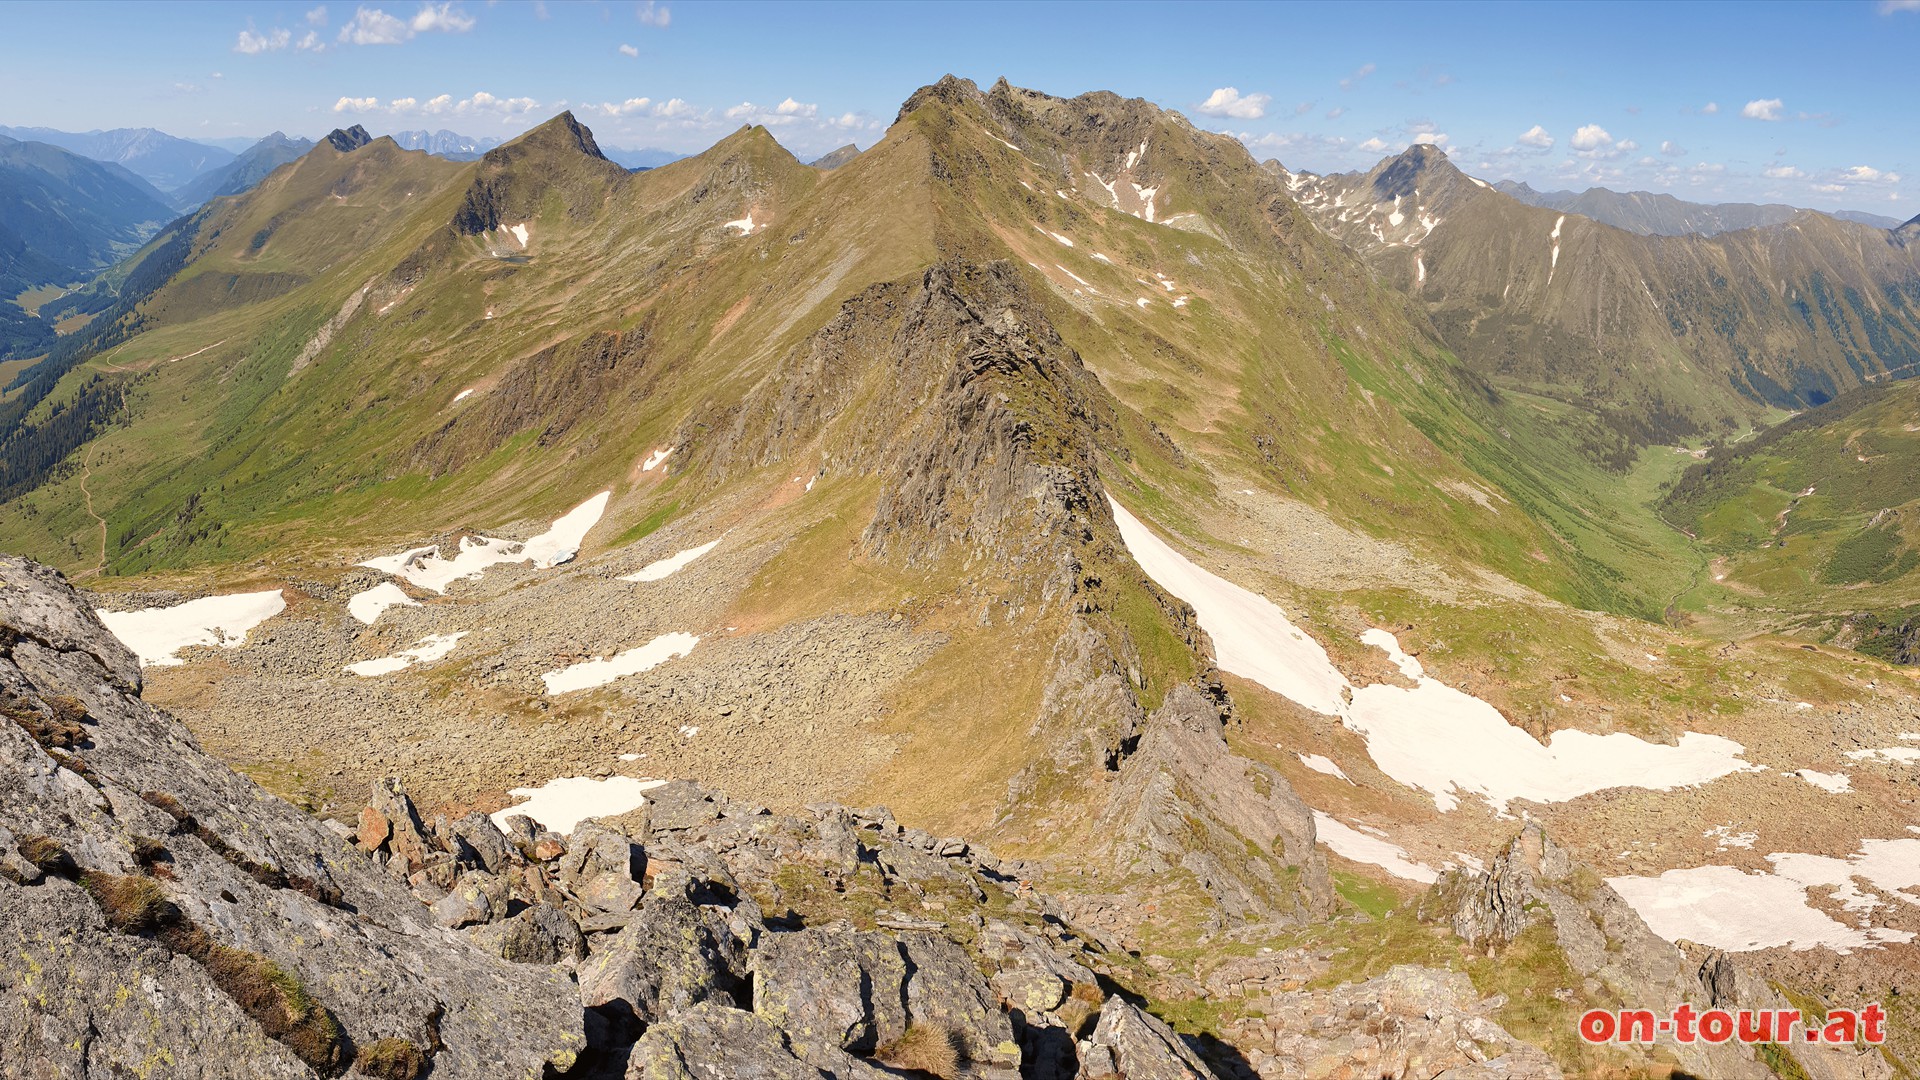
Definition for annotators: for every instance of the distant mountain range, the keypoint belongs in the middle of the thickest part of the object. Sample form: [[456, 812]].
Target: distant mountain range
[[240, 174], [160, 159], [446, 144], [1651, 214]]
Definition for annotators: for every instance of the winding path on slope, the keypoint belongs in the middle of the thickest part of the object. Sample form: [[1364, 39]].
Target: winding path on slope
[[86, 472]]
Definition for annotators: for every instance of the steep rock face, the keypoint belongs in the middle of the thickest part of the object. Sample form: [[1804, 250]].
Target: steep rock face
[[1533, 881], [160, 904], [1185, 801]]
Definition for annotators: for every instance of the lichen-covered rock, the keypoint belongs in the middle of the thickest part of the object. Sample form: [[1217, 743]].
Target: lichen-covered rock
[[832, 988], [715, 1042], [290, 901], [1128, 1044], [672, 956], [542, 934]]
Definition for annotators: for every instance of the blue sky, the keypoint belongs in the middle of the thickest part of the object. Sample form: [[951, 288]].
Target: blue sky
[[1811, 104]]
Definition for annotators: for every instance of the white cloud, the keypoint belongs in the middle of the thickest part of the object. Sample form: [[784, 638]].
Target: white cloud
[[1374, 145], [1336, 112], [628, 50], [1709, 168], [1628, 146], [1592, 137], [674, 109], [1437, 138], [653, 14], [1710, 108], [1831, 189], [371, 26], [627, 107], [445, 18], [1359, 75], [1866, 174], [791, 107], [253, 44], [1782, 172], [481, 103], [1228, 101], [318, 16], [1536, 136], [310, 42], [1762, 109], [1888, 7], [1673, 149]]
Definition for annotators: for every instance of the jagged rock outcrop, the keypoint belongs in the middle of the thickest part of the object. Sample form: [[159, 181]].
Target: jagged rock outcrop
[[1534, 883], [1186, 801], [347, 140], [162, 914]]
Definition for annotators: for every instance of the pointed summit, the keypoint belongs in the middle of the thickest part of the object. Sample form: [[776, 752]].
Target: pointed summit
[[1419, 165], [347, 140], [832, 161], [562, 133]]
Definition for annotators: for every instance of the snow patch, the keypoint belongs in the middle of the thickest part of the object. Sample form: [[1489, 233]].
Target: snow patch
[[1320, 763], [654, 459], [1892, 753], [1834, 782], [1350, 843], [1724, 837], [424, 567], [745, 224], [425, 651], [599, 672], [660, 568], [519, 233], [562, 804], [367, 604], [1730, 909], [156, 634], [468, 392]]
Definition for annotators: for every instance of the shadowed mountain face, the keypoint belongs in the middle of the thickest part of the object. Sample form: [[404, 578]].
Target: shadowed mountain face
[[1669, 336]]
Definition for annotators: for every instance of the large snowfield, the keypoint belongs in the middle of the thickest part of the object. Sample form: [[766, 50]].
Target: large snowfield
[[156, 635]]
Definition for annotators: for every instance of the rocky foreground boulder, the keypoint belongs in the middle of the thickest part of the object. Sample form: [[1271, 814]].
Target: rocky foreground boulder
[[161, 915]]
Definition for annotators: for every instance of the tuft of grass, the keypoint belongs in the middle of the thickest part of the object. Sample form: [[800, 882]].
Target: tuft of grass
[[391, 1059], [280, 1005], [132, 903], [924, 1048], [47, 854]]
